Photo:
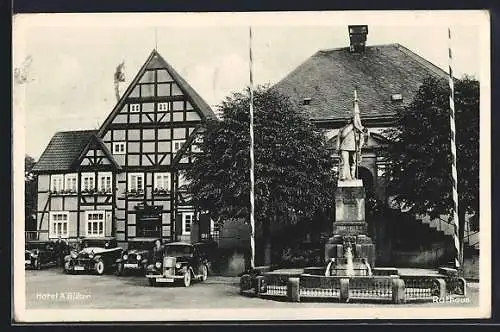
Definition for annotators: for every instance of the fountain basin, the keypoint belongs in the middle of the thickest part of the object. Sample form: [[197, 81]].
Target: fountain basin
[[386, 284]]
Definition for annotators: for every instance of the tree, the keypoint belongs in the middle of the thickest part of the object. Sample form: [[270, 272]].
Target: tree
[[420, 153], [293, 169], [29, 191]]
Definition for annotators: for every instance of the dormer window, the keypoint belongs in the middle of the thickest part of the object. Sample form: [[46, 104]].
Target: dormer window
[[397, 97], [306, 101]]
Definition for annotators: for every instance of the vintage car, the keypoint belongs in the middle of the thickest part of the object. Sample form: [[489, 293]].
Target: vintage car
[[180, 262], [137, 256], [40, 253], [209, 250], [98, 255]]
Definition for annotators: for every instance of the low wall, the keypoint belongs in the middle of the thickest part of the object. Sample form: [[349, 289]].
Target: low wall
[[393, 288], [423, 258]]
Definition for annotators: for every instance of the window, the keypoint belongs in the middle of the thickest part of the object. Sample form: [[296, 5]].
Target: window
[[197, 143], [397, 97], [187, 220], [177, 145], [88, 182], [163, 107], [56, 183], [119, 148], [135, 108], [105, 179], [162, 181], [95, 223], [70, 183], [136, 182], [58, 224]]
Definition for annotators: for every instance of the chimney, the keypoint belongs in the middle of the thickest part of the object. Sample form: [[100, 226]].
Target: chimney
[[357, 36]]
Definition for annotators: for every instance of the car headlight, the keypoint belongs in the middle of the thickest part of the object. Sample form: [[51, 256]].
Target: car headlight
[[125, 256], [158, 265], [138, 257], [91, 256], [73, 254], [33, 255], [178, 265]]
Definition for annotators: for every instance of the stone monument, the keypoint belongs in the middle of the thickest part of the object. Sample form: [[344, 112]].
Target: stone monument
[[350, 251]]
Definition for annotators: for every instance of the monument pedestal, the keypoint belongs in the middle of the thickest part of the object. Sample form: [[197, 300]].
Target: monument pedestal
[[350, 230]]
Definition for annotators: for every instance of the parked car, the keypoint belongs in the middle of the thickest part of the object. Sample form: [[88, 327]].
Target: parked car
[[40, 253], [208, 250], [96, 255], [137, 256], [180, 262]]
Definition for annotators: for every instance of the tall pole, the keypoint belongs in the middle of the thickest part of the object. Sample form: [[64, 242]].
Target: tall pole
[[456, 239], [156, 39], [356, 111], [252, 184]]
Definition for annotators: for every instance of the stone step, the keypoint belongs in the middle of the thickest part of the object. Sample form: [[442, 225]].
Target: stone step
[[448, 229]]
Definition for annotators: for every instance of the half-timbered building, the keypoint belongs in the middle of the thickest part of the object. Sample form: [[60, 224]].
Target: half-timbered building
[[125, 180]]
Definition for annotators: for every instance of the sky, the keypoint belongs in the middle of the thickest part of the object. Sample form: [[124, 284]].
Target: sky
[[69, 79]]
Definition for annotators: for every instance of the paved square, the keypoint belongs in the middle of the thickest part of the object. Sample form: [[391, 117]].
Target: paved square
[[52, 289]]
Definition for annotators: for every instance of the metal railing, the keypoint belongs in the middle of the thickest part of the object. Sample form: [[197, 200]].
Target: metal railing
[[444, 224], [417, 287], [370, 288]]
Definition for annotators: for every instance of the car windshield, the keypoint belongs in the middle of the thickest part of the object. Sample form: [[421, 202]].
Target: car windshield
[[95, 250], [178, 250], [141, 245]]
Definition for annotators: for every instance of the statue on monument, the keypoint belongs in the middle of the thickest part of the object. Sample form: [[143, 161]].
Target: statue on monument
[[350, 139]]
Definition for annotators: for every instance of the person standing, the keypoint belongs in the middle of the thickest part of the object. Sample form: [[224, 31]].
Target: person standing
[[157, 251], [61, 251]]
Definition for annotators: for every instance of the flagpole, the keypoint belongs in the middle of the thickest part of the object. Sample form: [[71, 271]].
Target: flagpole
[[456, 239], [252, 184], [354, 129]]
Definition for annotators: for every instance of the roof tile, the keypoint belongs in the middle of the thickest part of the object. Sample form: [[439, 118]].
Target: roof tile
[[63, 149], [329, 78]]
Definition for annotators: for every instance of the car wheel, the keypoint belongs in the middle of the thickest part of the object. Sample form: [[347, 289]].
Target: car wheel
[[99, 267], [152, 282], [187, 278], [204, 272], [67, 267]]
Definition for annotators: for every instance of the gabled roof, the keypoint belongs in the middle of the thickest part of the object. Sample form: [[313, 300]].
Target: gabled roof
[[156, 61], [63, 149], [102, 146], [329, 78]]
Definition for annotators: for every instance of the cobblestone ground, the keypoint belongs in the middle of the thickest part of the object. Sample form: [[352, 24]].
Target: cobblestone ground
[[52, 289]]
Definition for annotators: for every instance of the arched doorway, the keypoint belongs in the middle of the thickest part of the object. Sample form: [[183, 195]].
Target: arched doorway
[[368, 183], [367, 177]]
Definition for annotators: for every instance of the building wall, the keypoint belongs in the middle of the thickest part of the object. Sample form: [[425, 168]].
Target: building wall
[[75, 205], [152, 122]]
